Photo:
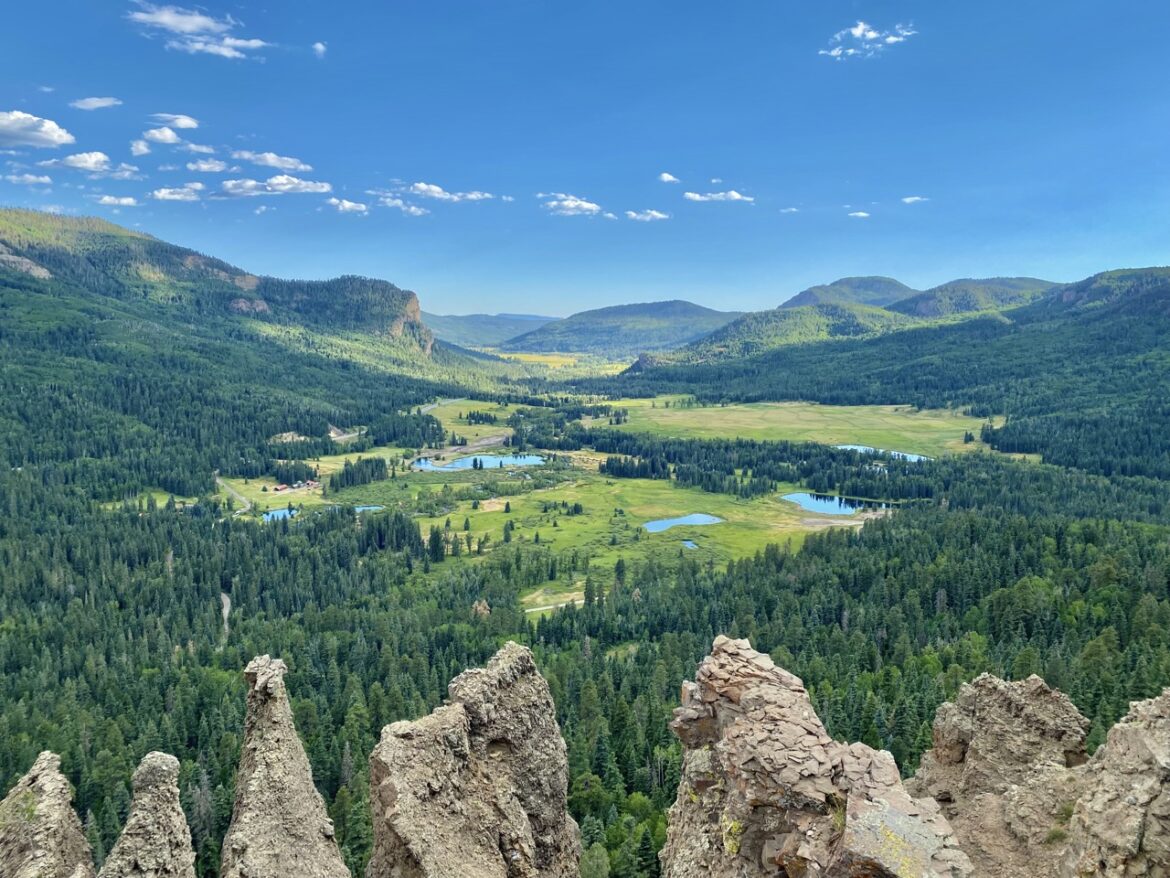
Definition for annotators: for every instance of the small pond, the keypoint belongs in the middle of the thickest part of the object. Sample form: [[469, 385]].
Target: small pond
[[869, 449], [278, 514], [829, 504], [360, 509], [694, 518], [690, 544], [487, 461]]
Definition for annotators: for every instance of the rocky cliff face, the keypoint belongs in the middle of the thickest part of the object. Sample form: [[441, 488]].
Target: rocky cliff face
[[766, 792], [155, 842], [478, 789], [279, 824], [40, 834]]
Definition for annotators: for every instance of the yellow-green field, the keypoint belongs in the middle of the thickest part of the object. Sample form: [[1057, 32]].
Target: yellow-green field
[[448, 414], [932, 432]]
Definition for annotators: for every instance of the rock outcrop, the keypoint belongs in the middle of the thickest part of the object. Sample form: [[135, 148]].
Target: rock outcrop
[[40, 835], [477, 789], [1120, 826], [1001, 768], [279, 825], [155, 842], [766, 791]]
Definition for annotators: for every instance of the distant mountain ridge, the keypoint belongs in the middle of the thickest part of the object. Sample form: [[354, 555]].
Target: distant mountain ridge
[[870, 290], [969, 295], [624, 330], [482, 330]]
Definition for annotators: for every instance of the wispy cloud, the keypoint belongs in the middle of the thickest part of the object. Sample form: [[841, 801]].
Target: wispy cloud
[[914, 199], [95, 103], [139, 147], [176, 120], [24, 129], [345, 206], [667, 177], [563, 204], [790, 210], [864, 41], [29, 179], [197, 148], [730, 195], [194, 32], [859, 214], [208, 166], [319, 49], [647, 216], [430, 190], [118, 201], [186, 192], [281, 184], [272, 160], [389, 199]]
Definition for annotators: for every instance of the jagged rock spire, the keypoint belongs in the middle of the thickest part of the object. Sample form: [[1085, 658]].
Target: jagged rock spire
[[156, 842], [766, 791], [40, 835], [279, 828], [477, 789]]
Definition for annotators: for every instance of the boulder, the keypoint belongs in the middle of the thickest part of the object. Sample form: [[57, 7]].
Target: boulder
[[766, 791], [479, 788], [40, 835]]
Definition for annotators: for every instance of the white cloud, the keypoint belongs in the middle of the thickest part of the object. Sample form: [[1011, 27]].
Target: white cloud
[[195, 32], [25, 129], [281, 184], [864, 41], [563, 204], [263, 208], [345, 206], [730, 195], [198, 148], [715, 181], [667, 177], [272, 160], [94, 162], [139, 147], [391, 200], [914, 199], [507, 198], [124, 172], [859, 214], [790, 210], [647, 216], [177, 120], [116, 201], [29, 179], [430, 190], [96, 103], [187, 192], [319, 49], [162, 135], [207, 166]]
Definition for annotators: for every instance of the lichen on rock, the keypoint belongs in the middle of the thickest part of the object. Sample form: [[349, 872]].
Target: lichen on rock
[[156, 841], [40, 834]]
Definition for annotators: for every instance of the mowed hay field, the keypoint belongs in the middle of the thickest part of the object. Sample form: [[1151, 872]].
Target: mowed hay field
[[932, 432]]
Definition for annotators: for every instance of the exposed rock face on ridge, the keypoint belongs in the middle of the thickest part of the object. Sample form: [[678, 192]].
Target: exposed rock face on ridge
[[1001, 768], [156, 842], [477, 789], [766, 792], [40, 835], [279, 827], [1121, 823]]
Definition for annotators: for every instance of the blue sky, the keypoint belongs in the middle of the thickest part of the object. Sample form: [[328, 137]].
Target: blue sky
[[509, 156]]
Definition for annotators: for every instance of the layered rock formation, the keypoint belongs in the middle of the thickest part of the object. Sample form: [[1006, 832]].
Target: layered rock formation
[[766, 791], [1001, 767], [279, 825], [40, 835], [477, 789], [155, 842]]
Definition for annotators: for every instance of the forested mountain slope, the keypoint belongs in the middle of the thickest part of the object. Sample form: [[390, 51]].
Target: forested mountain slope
[[1081, 373], [624, 330], [875, 291], [967, 295], [482, 330]]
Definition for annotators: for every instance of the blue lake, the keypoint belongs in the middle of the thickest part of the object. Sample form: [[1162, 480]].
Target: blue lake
[[656, 527], [690, 544], [361, 509], [489, 461], [869, 449], [279, 514], [828, 504]]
